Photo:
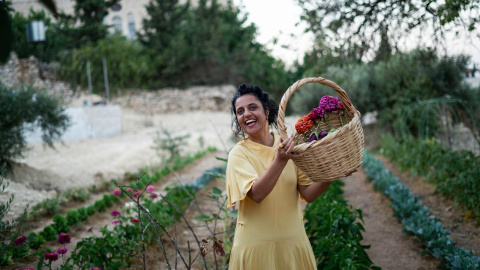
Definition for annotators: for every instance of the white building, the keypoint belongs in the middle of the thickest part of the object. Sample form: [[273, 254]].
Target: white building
[[126, 17]]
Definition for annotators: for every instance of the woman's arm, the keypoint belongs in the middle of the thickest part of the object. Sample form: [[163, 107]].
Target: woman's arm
[[266, 182], [313, 191]]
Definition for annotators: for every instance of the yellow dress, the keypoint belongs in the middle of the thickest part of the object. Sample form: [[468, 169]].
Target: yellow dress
[[270, 234]]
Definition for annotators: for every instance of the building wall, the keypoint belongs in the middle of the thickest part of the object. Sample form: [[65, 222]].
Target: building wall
[[134, 8]]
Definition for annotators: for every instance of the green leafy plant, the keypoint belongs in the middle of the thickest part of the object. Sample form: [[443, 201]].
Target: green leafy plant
[[23, 107], [335, 232], [416, 218], [60, 224], [72, 217]]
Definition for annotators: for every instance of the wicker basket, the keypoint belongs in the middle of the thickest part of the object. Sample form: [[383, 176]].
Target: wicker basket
[[336, 155]]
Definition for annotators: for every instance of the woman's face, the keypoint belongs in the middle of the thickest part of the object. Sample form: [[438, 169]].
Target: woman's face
[[250, 115]]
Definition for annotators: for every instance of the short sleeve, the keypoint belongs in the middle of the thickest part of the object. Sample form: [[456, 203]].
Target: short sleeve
[[240, 176], [302, 178]]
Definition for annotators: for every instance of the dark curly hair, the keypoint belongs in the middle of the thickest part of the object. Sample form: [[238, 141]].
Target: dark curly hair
[[268, 104]]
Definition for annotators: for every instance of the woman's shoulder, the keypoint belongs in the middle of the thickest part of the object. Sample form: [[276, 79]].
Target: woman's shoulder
[[238, 149]]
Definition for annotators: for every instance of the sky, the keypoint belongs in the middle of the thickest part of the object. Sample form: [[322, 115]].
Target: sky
[[277, 19]]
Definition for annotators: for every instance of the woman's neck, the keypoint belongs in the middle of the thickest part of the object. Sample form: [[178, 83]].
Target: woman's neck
[[265, 139]]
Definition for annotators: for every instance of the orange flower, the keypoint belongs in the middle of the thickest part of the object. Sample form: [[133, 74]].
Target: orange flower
[[304, 124]]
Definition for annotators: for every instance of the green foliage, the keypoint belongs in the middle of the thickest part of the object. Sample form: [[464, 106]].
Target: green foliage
[[72, 218], [49, 206], [416, 218], [49, 233], [82, 214], [22, 108], [100, 206], [207, 44], [35, 241], [335, 232], [455, 173], [126, 61], [10, 229], [164, 141], [91, 210], [60, 224]]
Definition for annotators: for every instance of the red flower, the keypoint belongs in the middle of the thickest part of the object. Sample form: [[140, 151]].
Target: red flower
[[115, 221], [304, 124], [135, 220], [115, 213], [51, 256], [63, 238], [62, 250], [153, 195], [95, 268], [117, 192], [20, 240]]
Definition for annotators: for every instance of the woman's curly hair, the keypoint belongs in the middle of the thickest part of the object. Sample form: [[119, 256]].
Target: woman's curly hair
[[268, 104]]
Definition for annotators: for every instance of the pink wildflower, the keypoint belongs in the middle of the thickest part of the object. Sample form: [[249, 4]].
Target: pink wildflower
[[153, 195], [62, 250], [117, 192], [20, 240], [95, 268], [150, 188], [63, 238], [51, 256], [115, 213], [115, 221], [129, 189]]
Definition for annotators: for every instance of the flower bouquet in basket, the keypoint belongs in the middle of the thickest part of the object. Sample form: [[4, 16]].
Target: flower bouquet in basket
[[317, 124], [325, 157]]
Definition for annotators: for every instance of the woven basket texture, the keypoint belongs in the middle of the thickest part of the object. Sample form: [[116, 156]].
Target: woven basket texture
[[339, 153]]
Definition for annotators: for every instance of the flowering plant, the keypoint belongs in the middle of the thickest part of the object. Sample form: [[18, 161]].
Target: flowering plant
[[319, 122]]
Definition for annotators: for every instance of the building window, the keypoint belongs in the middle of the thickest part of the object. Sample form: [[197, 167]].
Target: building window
[[131, 26], [117, 24]]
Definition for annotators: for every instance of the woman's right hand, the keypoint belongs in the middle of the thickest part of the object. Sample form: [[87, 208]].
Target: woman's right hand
[[285, 150]]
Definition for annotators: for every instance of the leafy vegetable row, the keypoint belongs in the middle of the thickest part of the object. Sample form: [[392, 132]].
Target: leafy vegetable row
[[455, 173], [62, 224], [335, 232], [416, 218]]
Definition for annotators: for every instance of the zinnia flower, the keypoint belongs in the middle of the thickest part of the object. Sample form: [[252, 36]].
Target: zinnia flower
[[20, 240], [117, 192], [135, 220], [153, 195], [62, 250], [115, 213], [304, 124], [95, 268], [150, 188], [115, 221], [51, 256], [63, 238]]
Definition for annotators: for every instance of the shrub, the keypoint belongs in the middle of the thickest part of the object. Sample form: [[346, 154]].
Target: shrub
[[49, 233], [22, 108], [35, 241], [60, 224], [100, 205], [91, 210], [82, 213], [72, 217]]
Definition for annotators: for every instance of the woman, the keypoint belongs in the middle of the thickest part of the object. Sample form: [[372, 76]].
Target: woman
[[267, 187]]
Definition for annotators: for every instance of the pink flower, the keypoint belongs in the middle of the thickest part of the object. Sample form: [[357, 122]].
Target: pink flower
[[115, 221], [20, 240], [135, 220], [117, 192], [62, 250], [63, 238], [28, 268], [51, 256], [115, 213], [150, 188], [95, 268], [153, 195], [129, 189]]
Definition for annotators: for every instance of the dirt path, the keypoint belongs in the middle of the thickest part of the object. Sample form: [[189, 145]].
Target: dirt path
[[389, 247]]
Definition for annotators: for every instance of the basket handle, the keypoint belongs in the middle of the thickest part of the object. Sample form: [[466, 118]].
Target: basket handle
[[282, 129]]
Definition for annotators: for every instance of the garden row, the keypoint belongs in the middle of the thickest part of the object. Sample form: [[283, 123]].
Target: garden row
[[456, 174], [416, 218], [335, 232], [61, 224]]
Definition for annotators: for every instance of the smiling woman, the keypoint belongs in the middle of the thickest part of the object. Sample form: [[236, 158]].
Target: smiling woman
[[268, 187]]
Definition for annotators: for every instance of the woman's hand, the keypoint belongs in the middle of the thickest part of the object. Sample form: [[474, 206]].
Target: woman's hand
[[285, 150]]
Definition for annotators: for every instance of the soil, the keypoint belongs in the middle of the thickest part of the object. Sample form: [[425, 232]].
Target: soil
[[80, 164]]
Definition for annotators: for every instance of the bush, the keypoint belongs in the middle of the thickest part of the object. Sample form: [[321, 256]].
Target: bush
[[100, 205], [91, 210], [22, 108], [35, 241], [60, 224], [49, 233], [82, 213], [72, 217]]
